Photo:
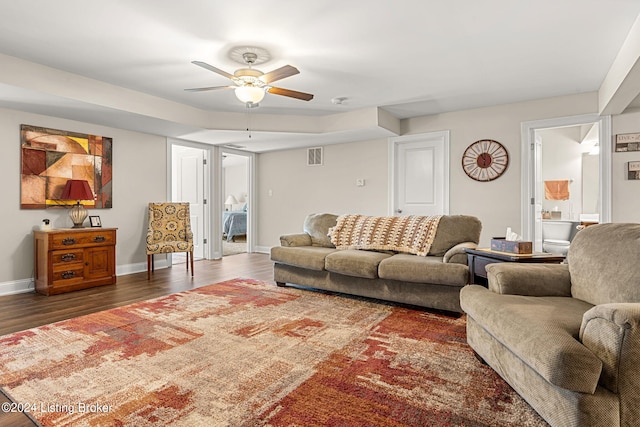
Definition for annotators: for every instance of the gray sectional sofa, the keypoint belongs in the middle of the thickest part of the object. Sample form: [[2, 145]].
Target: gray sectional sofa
[[310, 259], [566, 337]]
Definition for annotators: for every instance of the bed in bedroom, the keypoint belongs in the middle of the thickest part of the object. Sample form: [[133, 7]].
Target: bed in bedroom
[[234, 223]]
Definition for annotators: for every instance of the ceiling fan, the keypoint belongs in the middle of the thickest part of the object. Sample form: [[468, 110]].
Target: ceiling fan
[[250, 84]]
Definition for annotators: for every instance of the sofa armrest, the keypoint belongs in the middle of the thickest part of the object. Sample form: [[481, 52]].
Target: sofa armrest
[[301, 239], [612, 332], [457, 254], [536, 280]]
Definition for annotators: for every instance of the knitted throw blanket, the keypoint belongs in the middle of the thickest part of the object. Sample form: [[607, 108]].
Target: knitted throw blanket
[[412, 234]]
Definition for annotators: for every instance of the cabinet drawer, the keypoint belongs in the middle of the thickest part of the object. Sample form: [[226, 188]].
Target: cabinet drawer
[[82, 239], [67, 257], [72, 273]]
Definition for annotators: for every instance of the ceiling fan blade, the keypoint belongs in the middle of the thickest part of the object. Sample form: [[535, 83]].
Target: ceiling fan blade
[[202, 89], [214, 69], [279, 74], [290, 93]]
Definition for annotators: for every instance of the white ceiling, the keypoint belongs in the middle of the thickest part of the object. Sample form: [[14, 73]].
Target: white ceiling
[[405, 57]]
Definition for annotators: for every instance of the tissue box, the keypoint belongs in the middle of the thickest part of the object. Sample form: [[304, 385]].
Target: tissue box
[[502, 245], [556, 215]]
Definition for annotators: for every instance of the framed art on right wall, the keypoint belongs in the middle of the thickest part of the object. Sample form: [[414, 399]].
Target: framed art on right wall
[[633, 170]]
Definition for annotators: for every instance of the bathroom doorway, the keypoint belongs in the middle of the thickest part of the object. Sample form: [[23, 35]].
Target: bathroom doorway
[[563, 153]]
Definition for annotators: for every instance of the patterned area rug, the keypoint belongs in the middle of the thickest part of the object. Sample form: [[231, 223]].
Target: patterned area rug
[[246, 353]]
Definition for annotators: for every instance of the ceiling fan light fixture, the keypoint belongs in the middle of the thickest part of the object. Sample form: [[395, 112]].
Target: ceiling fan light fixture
[[250, 94], [251, 84]]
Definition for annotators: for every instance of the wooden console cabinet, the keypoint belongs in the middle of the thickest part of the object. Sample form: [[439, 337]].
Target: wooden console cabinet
[[74, 258]]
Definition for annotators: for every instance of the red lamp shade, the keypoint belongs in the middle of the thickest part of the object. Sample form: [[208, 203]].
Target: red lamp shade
[[77, 189]]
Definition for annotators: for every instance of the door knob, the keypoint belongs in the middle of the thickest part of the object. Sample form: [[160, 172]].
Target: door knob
[[399, 211]]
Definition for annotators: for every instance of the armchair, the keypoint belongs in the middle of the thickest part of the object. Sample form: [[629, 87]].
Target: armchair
[[566, 337], [169, 231]]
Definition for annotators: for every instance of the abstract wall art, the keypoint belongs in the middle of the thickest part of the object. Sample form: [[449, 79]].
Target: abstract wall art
[[50, 157]]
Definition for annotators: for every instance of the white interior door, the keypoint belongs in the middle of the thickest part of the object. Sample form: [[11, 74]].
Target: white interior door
[[419, 174], [188, 186]]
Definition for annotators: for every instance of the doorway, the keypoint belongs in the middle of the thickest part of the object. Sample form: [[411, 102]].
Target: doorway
[[237, 201], [192, 179], [235, 184], [572, 175]]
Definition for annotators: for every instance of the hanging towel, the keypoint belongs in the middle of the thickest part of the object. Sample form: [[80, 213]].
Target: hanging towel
[[556, 190]]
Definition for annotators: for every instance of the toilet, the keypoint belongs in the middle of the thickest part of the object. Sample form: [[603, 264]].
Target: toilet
[[557, 235]]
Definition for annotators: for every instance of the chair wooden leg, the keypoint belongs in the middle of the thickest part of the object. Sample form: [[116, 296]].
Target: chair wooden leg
[[149, 258], [191, 263]]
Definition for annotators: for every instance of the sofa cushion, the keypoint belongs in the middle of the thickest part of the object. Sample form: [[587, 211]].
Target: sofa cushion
[[542, 331], [454, 229], [317, 226], [593, 265], [356, 263], [429, 269], [311, 257]]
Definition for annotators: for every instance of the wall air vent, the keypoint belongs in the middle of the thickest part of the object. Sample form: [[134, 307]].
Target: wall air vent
[[314, 156]]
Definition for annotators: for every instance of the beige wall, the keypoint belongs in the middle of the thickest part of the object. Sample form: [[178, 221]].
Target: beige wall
[[139, 176], [626, 193], [299, 190]]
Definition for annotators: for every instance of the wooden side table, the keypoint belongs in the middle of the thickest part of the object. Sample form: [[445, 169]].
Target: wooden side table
[[478, 259]]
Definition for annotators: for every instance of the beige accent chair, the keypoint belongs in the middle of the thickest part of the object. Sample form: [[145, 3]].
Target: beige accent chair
[[169, 231], [566, 337]]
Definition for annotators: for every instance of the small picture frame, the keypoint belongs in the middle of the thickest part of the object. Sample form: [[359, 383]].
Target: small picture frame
[[95, 221], [628, 142], [633, 171]]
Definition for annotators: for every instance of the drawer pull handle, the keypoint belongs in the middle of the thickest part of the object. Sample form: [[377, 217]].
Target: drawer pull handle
[[99, 239], [68, 257], [69, 241], [68, 274]]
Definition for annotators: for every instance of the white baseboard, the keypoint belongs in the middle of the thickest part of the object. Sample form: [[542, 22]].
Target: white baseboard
[[16, 287], [139, 267], [263, 249], [26, 285]]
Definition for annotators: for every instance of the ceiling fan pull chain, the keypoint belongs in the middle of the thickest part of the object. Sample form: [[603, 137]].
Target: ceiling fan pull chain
[[248, 119]]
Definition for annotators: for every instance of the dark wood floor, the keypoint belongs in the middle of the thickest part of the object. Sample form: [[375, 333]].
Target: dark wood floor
[[24, 311]]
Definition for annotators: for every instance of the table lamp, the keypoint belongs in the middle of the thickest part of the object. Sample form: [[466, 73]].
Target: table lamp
[[78, 190], [231, 200]]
